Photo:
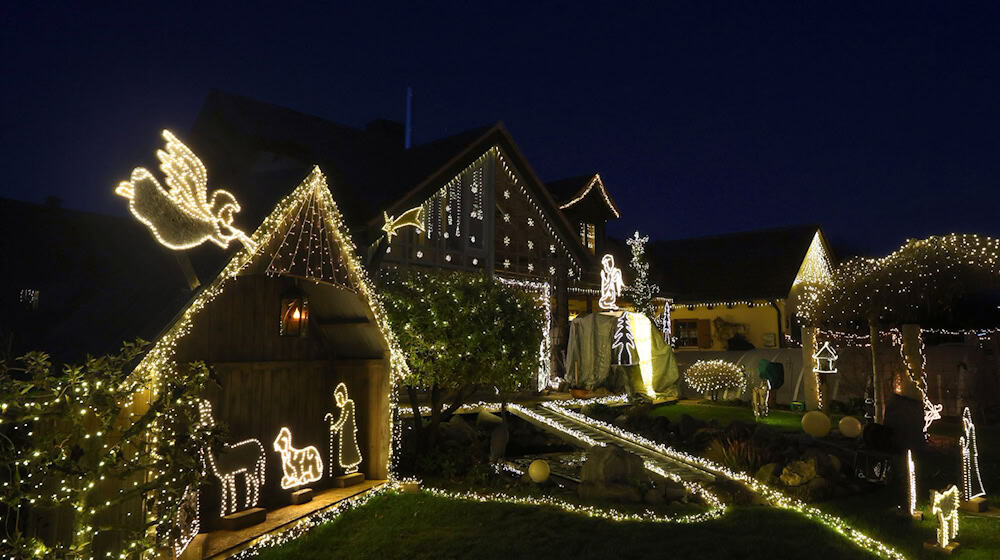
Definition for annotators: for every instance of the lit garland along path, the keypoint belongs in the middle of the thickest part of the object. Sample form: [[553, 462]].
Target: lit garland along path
[[593, 432], [555, 418]]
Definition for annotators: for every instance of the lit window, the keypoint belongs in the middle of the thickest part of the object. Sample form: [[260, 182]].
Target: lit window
[[686, 333], [28, 299], [294, 313]]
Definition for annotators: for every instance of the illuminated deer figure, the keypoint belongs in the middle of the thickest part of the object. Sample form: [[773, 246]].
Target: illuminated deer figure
[[246, 458], [945, 506]]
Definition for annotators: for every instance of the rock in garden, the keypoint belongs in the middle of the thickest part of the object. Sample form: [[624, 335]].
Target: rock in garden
[[798, 473], [836, 463], [653, 496], [690, 425], [672, 491], [609, 464], [767, 473], [817, 489], [595, 491], [498, 442], [458, 430], [487, 419]]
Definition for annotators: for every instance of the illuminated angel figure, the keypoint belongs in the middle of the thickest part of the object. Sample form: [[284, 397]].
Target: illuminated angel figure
[[611, 283], [184, 216], [972, 482], [348, 453]]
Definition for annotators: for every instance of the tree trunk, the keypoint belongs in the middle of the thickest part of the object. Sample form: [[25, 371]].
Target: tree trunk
[[418, 421], [813, 382], [877, 397]]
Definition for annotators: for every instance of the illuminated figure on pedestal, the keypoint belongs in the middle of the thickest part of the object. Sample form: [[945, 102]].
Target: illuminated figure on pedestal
[[244, 458], [299, 466], [348, 453], [611, 283], [945, 506], [972, 482]]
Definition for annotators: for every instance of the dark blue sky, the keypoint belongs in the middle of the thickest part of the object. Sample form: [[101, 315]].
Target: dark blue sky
[[879, 122]]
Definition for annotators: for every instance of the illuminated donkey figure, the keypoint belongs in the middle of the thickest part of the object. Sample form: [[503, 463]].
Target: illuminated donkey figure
[[945, 506], [246, 458]]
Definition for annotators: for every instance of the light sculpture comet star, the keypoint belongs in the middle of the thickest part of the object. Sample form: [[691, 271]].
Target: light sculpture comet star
[[414, 217]]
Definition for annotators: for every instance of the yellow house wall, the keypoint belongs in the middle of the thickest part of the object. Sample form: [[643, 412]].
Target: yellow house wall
[[759, 320]]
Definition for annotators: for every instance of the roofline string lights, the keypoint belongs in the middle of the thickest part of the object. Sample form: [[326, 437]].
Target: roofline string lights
[[595, 180]]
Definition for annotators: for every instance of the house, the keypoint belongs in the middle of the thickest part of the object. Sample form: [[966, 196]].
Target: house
[[285, 324], [481, 207], [735, 290]]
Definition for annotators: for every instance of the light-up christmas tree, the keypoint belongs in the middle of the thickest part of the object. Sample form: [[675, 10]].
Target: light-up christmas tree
[[642, 290]]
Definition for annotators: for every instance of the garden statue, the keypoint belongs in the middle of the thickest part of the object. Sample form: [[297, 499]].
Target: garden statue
[[760, 396], [348, 453]]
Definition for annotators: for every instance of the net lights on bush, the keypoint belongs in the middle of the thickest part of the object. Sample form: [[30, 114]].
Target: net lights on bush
[[972, 482], [712, 376], [774, 497], [185, 216], [298, 466], [544, 291]]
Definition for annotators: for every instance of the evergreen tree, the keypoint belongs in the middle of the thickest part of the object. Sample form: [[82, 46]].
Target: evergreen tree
[[642, 290]]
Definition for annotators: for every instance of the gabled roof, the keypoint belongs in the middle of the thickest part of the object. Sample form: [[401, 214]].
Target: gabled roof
[[743, 266], [369, 170], [572, 191]]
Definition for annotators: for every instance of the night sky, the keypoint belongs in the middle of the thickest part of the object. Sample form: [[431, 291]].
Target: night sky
[[880, 123]]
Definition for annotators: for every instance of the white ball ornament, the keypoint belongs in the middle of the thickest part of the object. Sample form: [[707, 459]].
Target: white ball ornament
[[538, 470], [850, 427], [816, 424]]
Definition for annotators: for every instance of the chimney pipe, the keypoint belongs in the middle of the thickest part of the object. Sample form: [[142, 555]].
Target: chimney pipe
[[409, 116]]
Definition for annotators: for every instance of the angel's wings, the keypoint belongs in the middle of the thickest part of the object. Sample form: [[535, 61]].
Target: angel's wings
[[186, 177]]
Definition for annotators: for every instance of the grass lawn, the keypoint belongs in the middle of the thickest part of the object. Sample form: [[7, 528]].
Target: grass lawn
[[420, 526], [778, 419]]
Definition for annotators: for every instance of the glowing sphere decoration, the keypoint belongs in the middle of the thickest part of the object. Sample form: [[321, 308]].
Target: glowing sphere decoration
[[538, 470], [816, 424], [850, 427]]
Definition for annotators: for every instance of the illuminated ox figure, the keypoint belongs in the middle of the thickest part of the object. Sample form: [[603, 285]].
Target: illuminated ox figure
[[244, 458]]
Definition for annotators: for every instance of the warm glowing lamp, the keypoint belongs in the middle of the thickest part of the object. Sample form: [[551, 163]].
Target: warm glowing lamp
[[294, 313]]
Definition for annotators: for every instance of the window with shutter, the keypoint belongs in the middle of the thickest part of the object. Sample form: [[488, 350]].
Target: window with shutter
[[704, 333]]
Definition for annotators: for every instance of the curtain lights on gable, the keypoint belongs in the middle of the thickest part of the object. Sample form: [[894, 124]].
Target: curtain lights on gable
[[185, 216], [816, 266]]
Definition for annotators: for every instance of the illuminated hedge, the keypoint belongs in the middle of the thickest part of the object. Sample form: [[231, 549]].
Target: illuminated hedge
[[712, 376]]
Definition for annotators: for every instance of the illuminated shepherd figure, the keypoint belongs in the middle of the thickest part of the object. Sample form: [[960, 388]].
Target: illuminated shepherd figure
[[972, 482], [945, 506], [611, 283], [184, 216], [346, 428]]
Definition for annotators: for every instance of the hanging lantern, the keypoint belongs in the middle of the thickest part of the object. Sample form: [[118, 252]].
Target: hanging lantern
[[294, 313]]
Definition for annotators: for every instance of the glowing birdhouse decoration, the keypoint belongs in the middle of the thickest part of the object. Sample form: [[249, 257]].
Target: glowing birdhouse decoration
[[826, 359], [294, 314]]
